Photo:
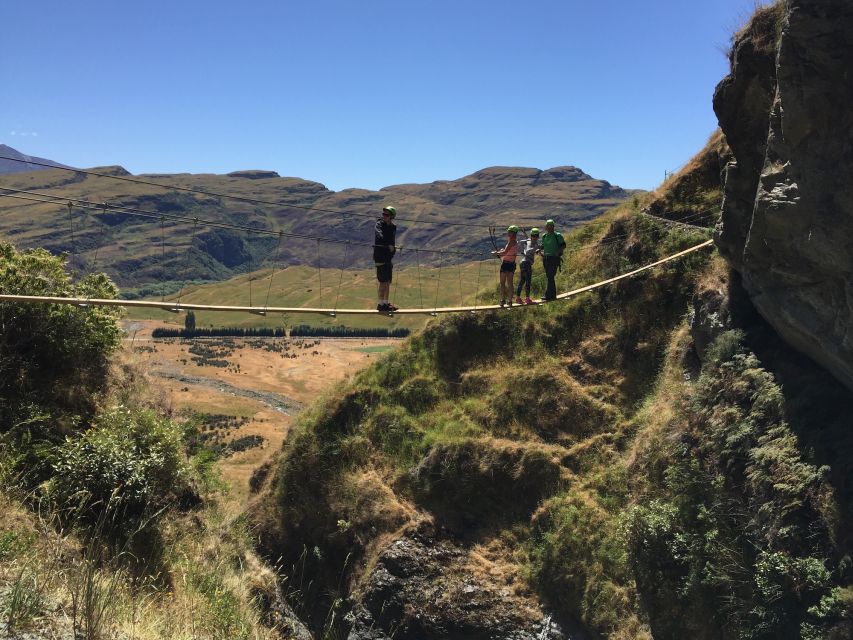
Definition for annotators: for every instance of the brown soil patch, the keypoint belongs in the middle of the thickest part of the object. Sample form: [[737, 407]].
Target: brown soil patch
[[298, 374]]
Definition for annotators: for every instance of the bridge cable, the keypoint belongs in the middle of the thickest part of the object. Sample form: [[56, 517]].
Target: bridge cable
[[477, 290], [272, 273], [319, 272], [163, 250], [73, 243], [341, 280], [97, 245], [187, 263], [209, 223], [420, 287], [461, 290], [230, 196], [438, 282]]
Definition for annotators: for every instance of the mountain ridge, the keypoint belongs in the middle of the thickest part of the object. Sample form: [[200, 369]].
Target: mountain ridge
[[10, 166]]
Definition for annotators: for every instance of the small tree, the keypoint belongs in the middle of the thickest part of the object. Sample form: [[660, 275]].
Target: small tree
[[53, 358], [189, 322]]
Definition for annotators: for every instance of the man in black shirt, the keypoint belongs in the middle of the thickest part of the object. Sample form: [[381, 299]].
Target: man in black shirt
[[383, 253]]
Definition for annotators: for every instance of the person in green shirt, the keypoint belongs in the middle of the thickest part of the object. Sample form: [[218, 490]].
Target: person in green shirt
[[553, 246]]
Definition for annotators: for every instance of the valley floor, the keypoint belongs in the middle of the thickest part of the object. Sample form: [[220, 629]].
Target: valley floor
[[263, 386]]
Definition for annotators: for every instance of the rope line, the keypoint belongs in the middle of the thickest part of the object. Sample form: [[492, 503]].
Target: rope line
[[97, 247], [187, 264], [420, 288], [272, 273], [319, 272], [211, 223], [163, 249], [477, 291], [437, 283], [150, 304], [461, 291], [71, 224], [341, 281], [239, 198], [397, 279]]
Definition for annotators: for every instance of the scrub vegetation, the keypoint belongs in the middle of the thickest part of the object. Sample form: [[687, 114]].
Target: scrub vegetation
[[111, 519]]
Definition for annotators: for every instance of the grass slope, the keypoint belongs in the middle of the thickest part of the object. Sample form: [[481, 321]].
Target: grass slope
[[490, 425], [633, 487]]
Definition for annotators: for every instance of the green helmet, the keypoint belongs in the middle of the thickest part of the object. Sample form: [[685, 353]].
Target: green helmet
[[512, 229], [391, 211], [534, 231], [549, 221]]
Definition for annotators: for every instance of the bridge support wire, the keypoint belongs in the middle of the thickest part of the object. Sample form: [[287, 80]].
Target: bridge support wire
[[172, 306]]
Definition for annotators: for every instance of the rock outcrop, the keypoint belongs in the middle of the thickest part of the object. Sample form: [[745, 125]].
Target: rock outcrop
[[787, 217], [253, 174], [423, 587]]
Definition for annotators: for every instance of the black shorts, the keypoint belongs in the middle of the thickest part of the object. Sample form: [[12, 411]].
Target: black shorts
[[508, 267], [384, 272]]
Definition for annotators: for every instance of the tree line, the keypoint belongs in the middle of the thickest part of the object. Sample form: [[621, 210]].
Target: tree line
[[219, 332], [303, 330], [299, 331]]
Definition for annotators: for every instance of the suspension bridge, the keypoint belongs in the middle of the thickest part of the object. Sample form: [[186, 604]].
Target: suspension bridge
[[177, 306]]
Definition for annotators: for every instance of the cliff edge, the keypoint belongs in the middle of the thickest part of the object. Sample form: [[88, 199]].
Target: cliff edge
[[787, 216]]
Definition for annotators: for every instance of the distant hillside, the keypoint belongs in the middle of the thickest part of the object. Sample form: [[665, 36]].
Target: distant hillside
[[10, 166], [519, 188], [135, 253]]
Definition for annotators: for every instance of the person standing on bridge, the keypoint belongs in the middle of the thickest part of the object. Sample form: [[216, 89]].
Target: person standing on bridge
[[507, 256], [553, 245], [383, 253], [529, 247]]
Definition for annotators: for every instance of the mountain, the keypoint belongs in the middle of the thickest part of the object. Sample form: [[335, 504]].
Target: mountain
[[136, 253], [531, 192], [10, 166]]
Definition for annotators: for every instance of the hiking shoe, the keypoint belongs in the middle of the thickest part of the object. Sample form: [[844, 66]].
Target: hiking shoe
[[518, 300], [527, 300], [390, 308], [382, 308]]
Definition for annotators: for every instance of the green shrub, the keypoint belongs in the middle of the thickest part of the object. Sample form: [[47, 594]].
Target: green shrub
[[738, 536], [130, 460], [53, 358], [579, 562]]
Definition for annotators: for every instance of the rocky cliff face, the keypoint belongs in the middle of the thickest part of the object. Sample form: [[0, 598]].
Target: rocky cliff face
[[787, 218]]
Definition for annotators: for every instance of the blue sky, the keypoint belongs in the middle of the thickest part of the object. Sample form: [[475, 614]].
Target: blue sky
[[365, 94]]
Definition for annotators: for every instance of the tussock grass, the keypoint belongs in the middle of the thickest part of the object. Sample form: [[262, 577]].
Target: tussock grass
[[210, 583], [763, 27]]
